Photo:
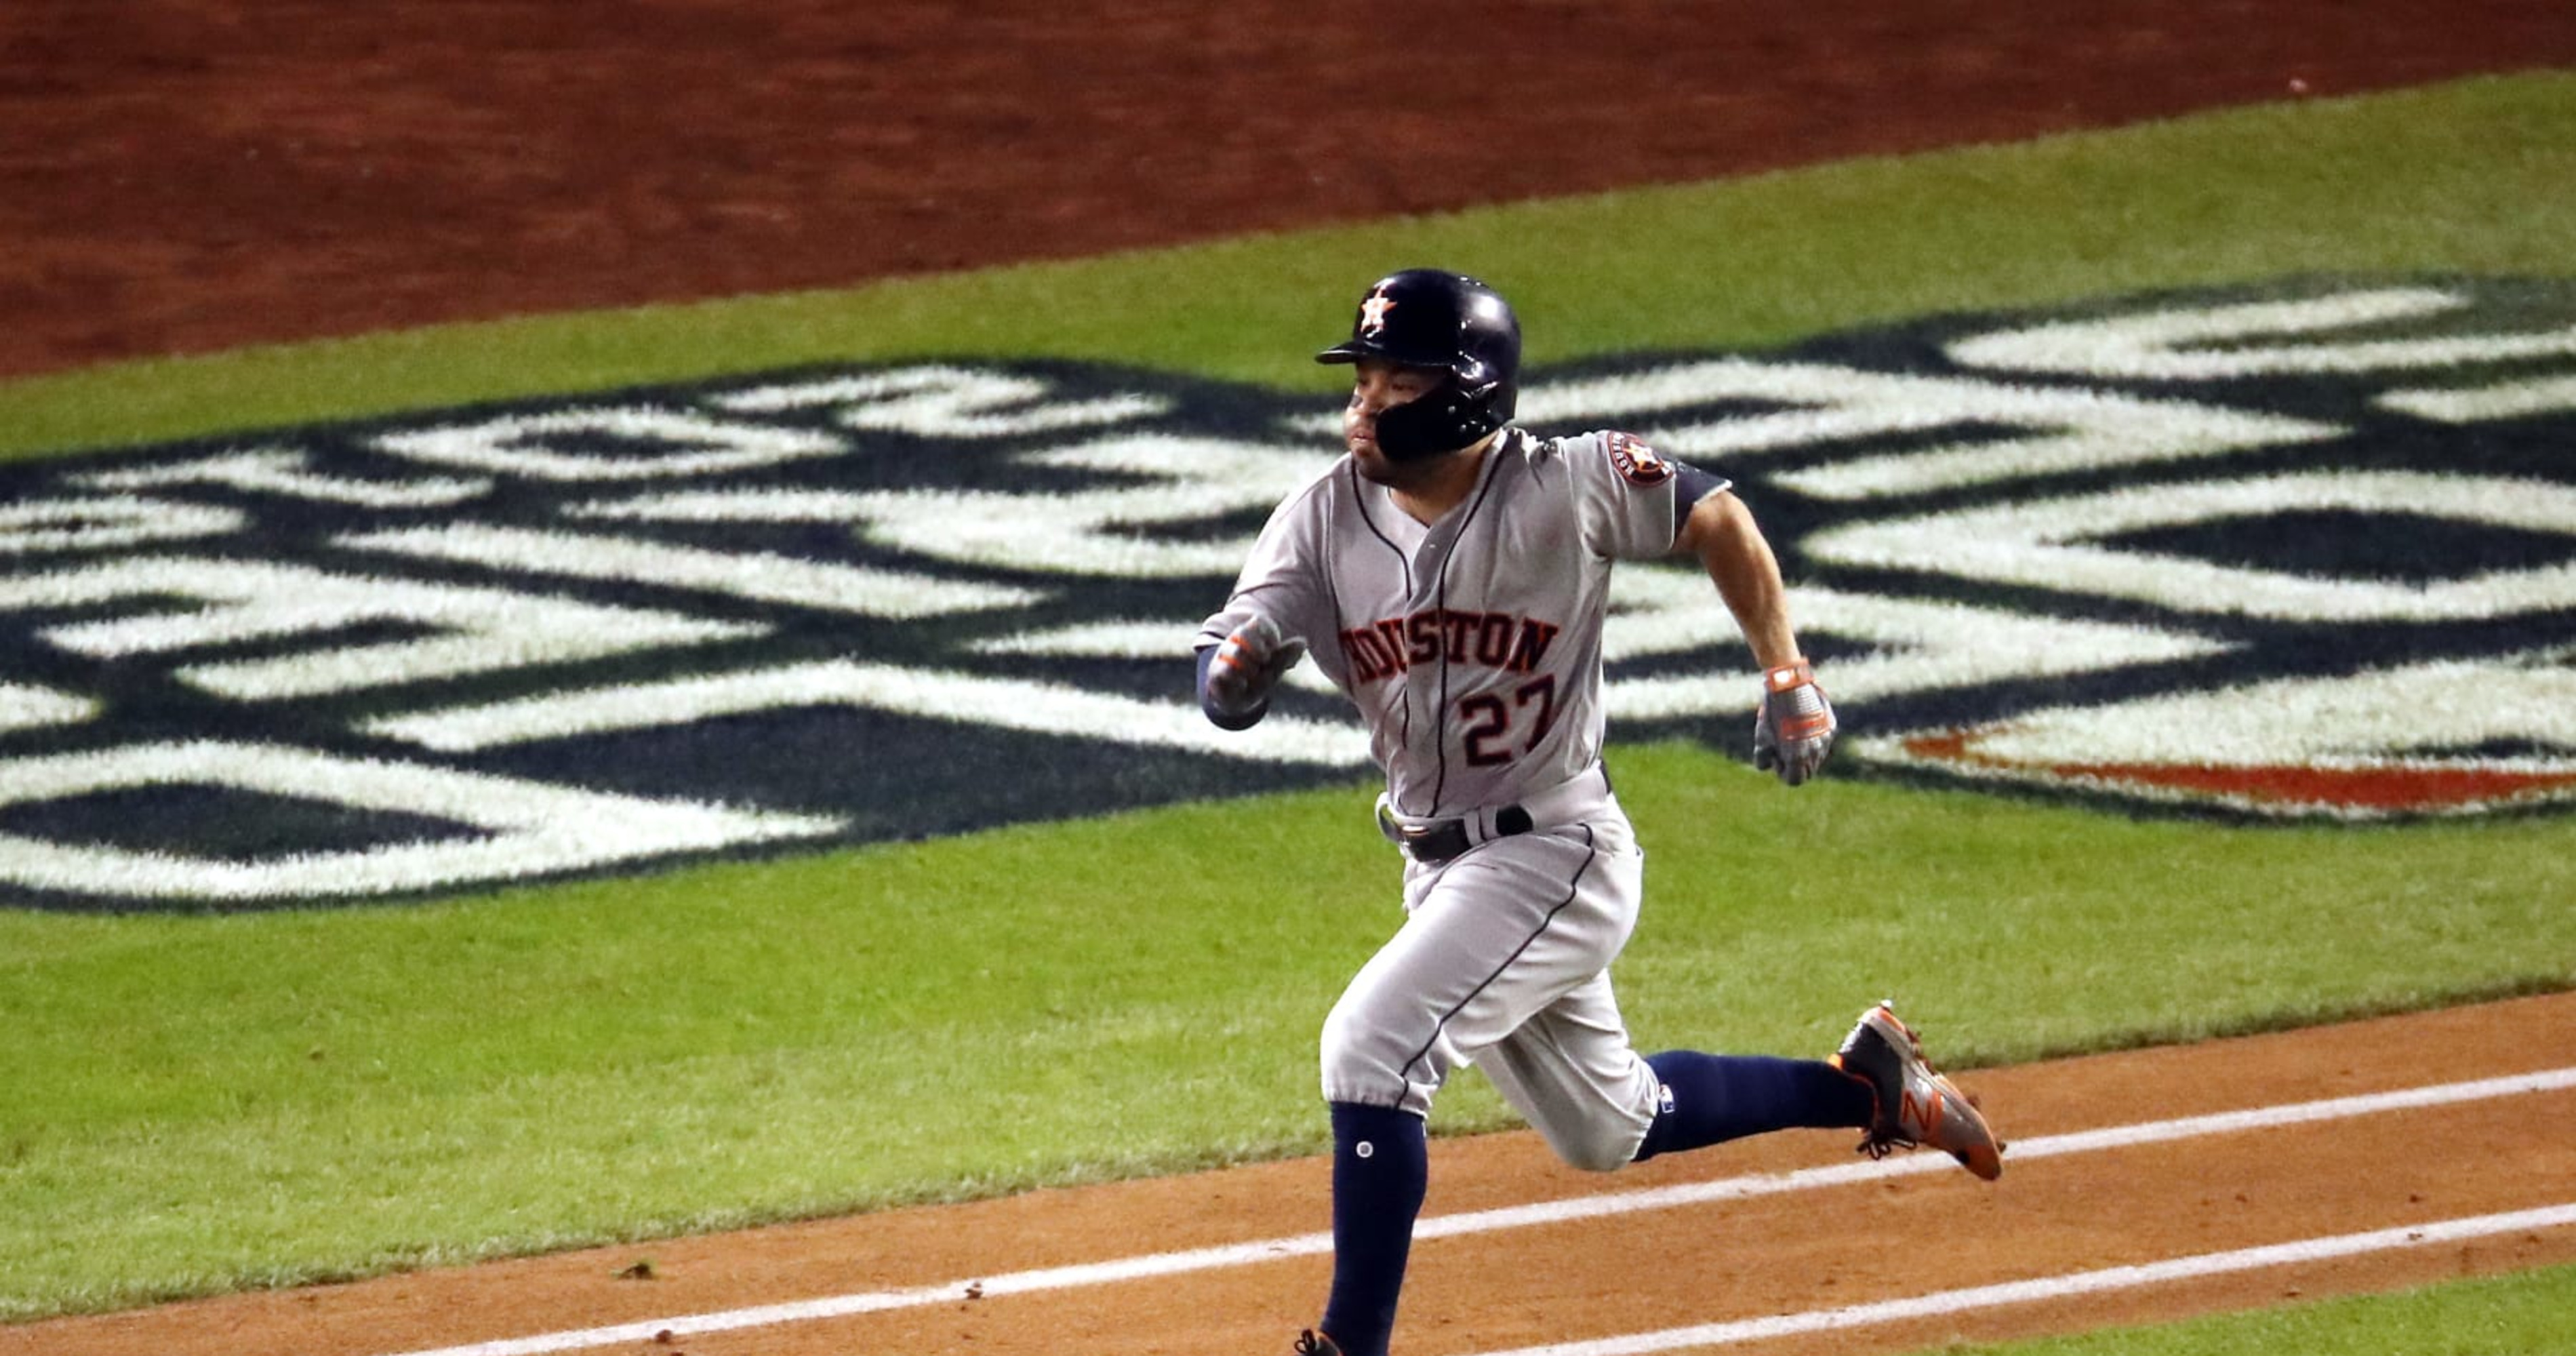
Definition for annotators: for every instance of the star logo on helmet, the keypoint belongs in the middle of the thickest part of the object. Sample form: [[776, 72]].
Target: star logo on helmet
[[1373, 311]]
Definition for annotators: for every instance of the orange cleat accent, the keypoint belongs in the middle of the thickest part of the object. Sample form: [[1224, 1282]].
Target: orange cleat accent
[[1917, 1104]]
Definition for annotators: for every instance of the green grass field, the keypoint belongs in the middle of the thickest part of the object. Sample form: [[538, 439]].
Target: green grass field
[[207, 1103], [2524, 1315]]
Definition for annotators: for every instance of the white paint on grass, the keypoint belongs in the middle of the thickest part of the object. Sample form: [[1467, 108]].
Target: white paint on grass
[[931, 694], [863, 590], [1735, 1188], [521, 829]]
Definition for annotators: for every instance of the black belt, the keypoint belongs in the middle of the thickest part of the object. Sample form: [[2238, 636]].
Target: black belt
[[1434, 841]]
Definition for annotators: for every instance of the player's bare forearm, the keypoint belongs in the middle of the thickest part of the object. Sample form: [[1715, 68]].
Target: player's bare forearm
[[1731, 547]]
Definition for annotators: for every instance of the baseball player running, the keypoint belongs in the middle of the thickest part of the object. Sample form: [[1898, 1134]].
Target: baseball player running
[[1450, 576]]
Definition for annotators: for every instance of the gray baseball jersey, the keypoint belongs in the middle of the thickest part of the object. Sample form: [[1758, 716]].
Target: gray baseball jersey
[[1472, 646], [1472, 649]]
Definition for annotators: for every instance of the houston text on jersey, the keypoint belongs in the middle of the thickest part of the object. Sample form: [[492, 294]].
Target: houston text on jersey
[[1497, 640]]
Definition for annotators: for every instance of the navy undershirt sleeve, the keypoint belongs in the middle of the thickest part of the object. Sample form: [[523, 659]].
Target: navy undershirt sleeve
[[1207, 656], [1692, 485]]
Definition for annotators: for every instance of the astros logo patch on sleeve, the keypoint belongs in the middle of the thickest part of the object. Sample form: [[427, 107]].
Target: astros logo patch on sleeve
[[1637, 463]]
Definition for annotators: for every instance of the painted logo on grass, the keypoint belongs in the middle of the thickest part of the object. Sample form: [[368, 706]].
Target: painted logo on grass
[[2308, 552]]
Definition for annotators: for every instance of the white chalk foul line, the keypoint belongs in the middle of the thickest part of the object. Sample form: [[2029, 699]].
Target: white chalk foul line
[[2061, 1287], [1514, 1217]]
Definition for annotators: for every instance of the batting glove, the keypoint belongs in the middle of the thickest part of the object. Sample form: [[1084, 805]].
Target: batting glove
[[1249, 664], [1793, 728]]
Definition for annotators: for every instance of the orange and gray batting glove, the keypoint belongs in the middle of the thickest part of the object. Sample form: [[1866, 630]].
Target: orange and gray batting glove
[[1793, 728], [1235, 680]]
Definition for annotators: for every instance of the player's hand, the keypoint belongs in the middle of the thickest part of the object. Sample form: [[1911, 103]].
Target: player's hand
[[1249, 664], [1793, 728]]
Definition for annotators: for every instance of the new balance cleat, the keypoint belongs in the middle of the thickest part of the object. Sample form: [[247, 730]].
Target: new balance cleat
[[1917, 1105], [1313, 1343]]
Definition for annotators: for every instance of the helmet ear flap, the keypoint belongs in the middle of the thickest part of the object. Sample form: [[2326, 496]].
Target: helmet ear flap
[[1431, 318], [1449, 416]]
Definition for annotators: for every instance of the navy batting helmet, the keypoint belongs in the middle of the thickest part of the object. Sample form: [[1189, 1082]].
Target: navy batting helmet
[[1426, 317]]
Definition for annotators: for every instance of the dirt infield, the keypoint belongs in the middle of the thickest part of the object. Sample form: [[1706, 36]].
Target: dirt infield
[[180, 176], [981, 1278]]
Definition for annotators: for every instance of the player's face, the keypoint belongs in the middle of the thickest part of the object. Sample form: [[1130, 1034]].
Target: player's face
[[1376, 385]]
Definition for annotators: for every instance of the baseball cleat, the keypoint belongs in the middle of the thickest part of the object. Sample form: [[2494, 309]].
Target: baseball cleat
[[1917, 1105], [1313, 1343]]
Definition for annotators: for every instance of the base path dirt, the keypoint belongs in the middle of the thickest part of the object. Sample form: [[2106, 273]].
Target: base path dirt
[[180, 176], [1783, 1234]]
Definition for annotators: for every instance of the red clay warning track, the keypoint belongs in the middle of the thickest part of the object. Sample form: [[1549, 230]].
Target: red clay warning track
[[180, 176]]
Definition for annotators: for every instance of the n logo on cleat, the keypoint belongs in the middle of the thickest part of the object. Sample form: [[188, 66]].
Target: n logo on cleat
[[1921, 1111]]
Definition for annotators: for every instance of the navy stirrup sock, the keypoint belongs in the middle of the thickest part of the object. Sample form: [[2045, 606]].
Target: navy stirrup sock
[[1381, 1168], [1709, 1099]]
